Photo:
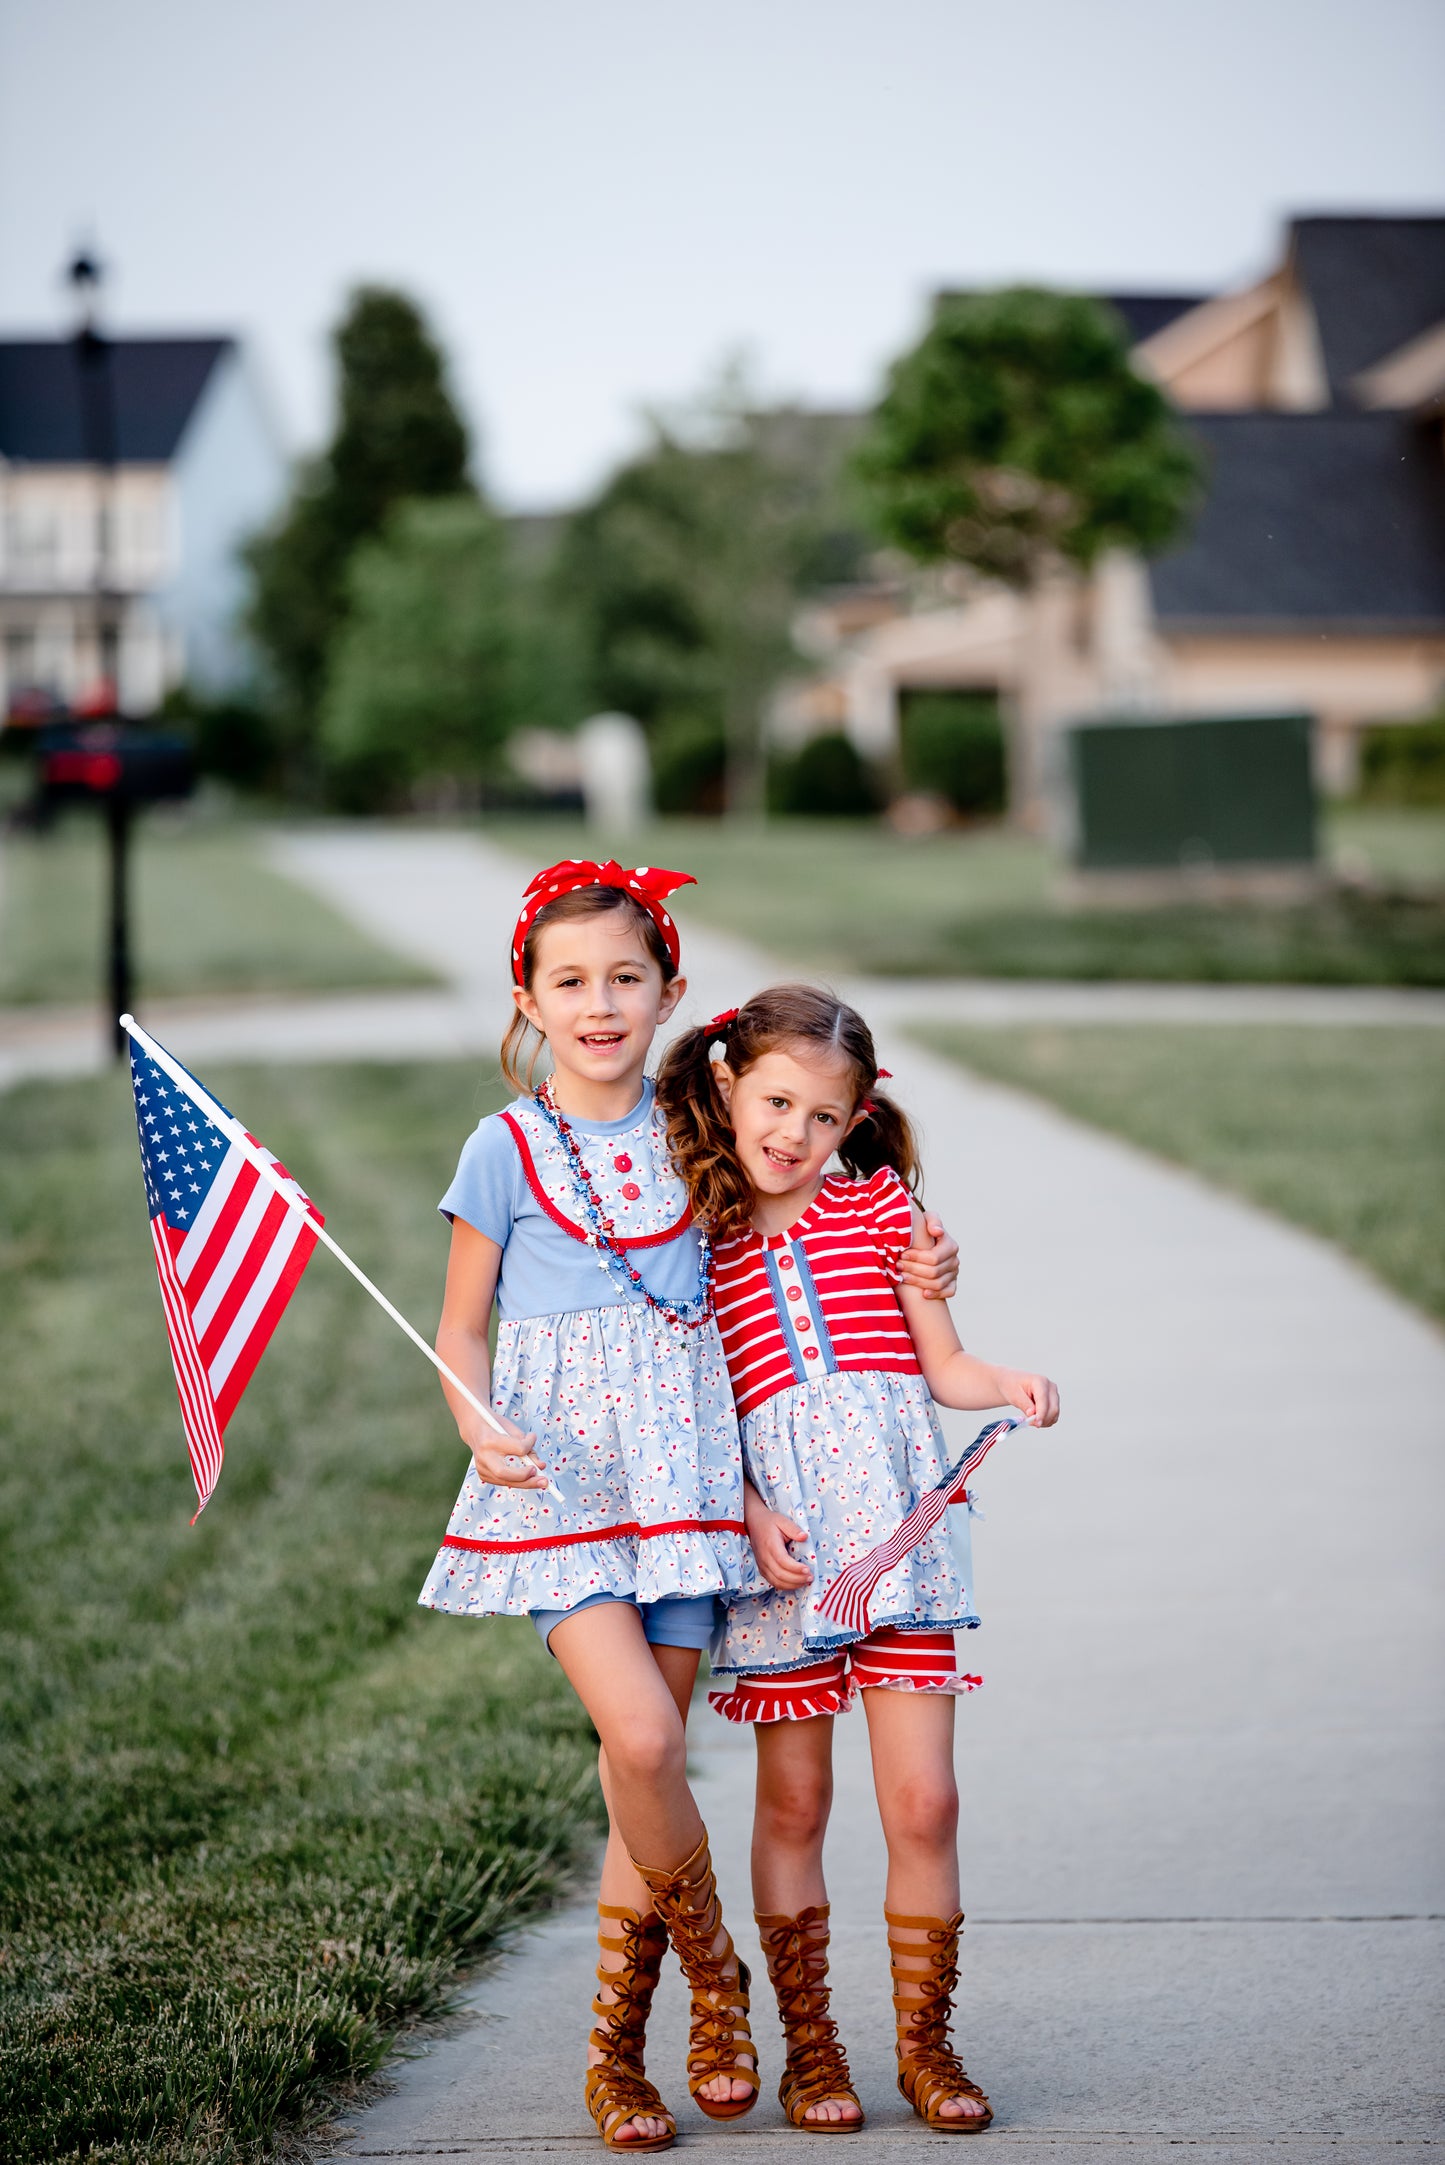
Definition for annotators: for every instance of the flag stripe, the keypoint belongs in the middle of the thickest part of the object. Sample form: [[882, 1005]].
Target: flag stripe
[[243, 1229], [229, 1397], [188, 1261], [250, 1261], [246, 1311], [198, 1416]]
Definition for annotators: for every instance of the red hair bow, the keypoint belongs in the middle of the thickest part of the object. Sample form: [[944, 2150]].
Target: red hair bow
[[647, 885], [719, 1023]]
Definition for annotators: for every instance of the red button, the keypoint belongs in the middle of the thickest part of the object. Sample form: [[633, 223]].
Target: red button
[[623, 1164], [795, 1292], [801, 1323], [630, 1191], [785, 1262], [810, 1353]]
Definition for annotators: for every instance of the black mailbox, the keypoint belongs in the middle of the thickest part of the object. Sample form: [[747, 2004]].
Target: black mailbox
[[82, 762], [116, 767]]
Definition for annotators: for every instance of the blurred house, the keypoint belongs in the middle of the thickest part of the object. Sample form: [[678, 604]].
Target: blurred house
[[1313, 578], [128, 570]]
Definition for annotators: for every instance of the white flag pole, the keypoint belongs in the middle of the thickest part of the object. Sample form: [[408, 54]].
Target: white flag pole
[[291, 1194]]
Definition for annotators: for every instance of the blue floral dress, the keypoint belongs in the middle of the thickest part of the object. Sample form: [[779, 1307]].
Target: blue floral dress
[[633, 1414]]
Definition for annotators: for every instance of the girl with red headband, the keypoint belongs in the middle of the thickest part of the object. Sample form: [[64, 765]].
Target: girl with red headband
[[616, 1522], [836, 1364]]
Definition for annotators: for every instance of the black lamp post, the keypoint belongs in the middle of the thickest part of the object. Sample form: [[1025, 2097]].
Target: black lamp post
[[95, 381], [97, 757]]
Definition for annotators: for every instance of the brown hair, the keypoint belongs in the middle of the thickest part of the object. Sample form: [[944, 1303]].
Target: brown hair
[[581, 902], [785, 1018]]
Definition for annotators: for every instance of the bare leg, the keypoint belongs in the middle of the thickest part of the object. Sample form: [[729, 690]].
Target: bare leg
[[620, 1882], [636, 1697], [910, 1734], [794, 1798]]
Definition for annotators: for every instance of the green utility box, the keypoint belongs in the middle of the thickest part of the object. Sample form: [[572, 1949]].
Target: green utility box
[[1217, 790]]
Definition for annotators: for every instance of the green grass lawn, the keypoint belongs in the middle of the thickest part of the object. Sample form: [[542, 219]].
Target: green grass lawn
[[257, 1805], [1342, 1130], [1402, 845], [846, 896], [209, 916]]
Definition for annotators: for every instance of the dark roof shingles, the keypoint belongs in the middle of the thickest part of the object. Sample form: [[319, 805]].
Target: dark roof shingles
[[1332, 518], [1146, 313], [158, 382], [1373, 283]]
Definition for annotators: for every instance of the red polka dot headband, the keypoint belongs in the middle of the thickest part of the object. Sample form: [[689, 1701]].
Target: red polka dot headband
[[647, 885]]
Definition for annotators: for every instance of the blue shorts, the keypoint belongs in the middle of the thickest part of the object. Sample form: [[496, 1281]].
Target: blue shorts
[[678, 1620]]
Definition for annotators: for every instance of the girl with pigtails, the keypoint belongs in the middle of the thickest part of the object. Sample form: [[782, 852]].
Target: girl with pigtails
[[858, 1521], [615, 1521]]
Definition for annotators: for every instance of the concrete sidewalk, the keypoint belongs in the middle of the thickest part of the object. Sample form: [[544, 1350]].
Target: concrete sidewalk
[[1202, 1786]]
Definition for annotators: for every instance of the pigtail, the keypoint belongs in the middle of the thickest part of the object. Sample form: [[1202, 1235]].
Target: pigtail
[[884, 1136], [698, 1133]]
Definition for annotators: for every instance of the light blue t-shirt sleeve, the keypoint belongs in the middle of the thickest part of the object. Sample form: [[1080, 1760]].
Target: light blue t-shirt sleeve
[[484, 1186]]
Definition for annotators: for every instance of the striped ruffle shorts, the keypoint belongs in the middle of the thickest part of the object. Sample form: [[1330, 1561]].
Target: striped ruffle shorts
[[887, 1660]]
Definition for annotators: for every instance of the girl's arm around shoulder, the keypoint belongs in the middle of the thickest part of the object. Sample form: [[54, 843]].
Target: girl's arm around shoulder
[[919, 1249], [960, 1379], [473, 1267]]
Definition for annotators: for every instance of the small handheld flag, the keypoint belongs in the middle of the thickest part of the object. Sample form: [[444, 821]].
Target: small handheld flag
[[847, 1599], [232, 1232], [229, 1245]]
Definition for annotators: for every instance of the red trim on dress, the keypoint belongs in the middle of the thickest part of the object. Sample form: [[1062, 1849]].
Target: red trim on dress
[[630, 1529], [637, 1240]]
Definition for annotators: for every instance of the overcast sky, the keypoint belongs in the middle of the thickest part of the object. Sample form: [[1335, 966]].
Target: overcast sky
[[596, 200]]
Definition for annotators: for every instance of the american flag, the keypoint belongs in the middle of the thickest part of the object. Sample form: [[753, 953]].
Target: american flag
[[847, 1598], [229, 1252]]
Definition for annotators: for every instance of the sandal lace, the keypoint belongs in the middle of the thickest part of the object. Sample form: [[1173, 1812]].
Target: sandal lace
[[928, 2065], [617, 2088], [817, 2066]]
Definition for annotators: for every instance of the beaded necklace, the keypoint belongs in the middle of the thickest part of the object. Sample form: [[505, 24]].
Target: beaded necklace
[[611, 1255]]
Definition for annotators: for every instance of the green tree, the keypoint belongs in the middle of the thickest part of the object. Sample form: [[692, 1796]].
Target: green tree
[[421, 685], [685, 572], [1016, 438], [397, 436], [1016, 435]]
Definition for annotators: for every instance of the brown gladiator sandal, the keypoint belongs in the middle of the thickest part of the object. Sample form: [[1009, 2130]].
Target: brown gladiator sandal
[[817, 2066], [720, 2041], [929, 2073], [617, 2089]]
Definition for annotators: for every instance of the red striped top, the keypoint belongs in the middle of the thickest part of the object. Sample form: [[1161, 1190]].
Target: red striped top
[[819, 1297]]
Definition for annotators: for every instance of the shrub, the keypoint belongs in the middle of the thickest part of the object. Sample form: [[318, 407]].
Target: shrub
[[689, 765], [827, 778], [1404, 762], [953, 747]]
